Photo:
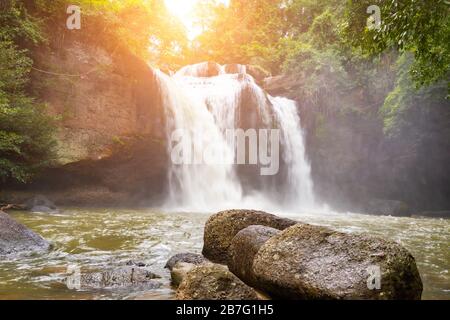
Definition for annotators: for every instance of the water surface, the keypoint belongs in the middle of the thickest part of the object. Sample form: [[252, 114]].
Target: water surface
[[100, 239]]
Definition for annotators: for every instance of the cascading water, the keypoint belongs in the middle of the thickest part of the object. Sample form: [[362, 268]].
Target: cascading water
[[298, 181], [202, 102]]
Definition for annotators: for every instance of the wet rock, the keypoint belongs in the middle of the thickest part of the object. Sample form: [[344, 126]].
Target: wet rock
[[310, 262], [244, 247], [41, 204], [191, 258], [120, 277], [179, 271], [16, 238], [387, 208], [133, 263], [234, 68], [202, 70], [221, 228], [213, 282]]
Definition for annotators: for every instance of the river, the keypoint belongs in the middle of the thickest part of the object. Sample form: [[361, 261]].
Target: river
[[98, 239]]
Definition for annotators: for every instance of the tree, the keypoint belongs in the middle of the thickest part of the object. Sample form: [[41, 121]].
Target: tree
[[26, 133], [420, 27]]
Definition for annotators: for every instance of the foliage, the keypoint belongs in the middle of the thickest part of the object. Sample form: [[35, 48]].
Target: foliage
[[405, 108], [26, 139], [244, 32], [420, 27]]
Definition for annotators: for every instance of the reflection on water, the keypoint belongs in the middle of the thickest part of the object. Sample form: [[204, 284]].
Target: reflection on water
[[100, 239]]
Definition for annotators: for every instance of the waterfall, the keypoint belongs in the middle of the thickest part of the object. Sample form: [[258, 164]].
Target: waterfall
[[298, 182], [202, 103]]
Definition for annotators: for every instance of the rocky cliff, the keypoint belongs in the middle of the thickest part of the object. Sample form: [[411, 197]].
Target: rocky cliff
[[111, 139], [355, 164]]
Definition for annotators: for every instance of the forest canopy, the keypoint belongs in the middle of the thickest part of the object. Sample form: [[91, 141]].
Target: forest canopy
[[326, 42]]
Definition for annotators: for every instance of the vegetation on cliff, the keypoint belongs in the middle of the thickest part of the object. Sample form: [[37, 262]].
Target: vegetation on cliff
[[373, 99], [25, 130]]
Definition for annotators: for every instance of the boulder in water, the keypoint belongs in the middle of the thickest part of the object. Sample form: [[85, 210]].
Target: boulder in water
[[41, 204], [213, 282], [16, 238], [243, 249], [120, 277], [179, 272], [221, 228], [192, 258], [311, 262], [181, 264]]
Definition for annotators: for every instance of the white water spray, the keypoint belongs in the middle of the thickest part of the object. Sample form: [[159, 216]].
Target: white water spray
[[204, 108]]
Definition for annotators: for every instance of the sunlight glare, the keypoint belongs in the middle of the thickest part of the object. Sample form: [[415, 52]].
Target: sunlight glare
[[185, 11]]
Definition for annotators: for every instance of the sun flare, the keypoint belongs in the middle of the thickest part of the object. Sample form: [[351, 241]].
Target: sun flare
[[185, 10]]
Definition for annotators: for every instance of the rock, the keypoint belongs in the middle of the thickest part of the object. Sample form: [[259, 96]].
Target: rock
[[41, 204], [221, 228], [120, 277], [182, 263], [258, 73], [387, 208], [133, 263], [244, 247], [310, 262], [202, 70], [282, 85], [16, 238], [213, 282], [179, 271], [234, 68], [191, 258]]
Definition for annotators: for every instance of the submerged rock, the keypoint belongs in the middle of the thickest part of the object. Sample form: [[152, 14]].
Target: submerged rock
[[179, 272], [16, 238], [191, 258], [243, 249], [213, 282], [221, 228], [121, 277], [181, 264], [310, 262], [41, 204]]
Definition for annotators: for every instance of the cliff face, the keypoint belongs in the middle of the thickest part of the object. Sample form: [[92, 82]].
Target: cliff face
[[111, 137], [354, 163]]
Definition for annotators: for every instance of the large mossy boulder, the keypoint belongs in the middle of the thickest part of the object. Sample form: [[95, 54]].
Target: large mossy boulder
[[16, 238], [221, 228], [213, 282], [311, 262], [243, 249]]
